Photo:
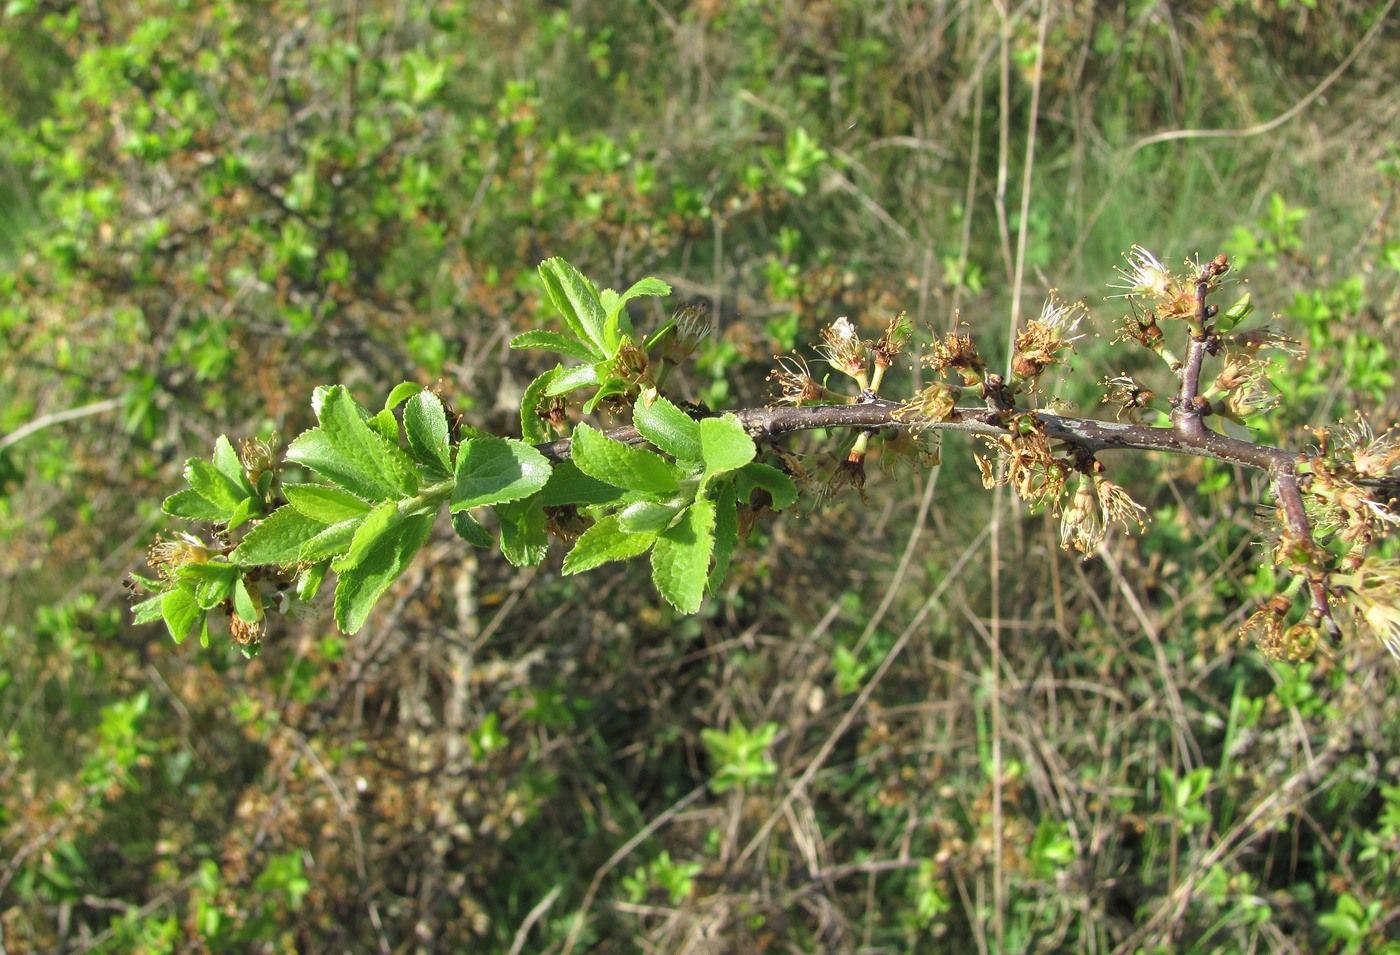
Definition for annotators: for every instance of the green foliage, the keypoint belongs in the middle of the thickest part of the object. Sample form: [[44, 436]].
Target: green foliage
[[207, 208], [740, 755]]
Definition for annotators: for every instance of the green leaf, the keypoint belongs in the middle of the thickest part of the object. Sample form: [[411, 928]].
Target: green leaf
[[566, 380], [212, 581], [532, 426], [725, 446], [386, 426], [605, 541], [384, 545], [278, 539], [470, 530], [193, 506], [726, 534], [180, 611], [574, 297], [524, 541], [247, 509], [653, 517], [778, 485], [348, 450], [331, 542], [148, 610], [206, 480], [671, 430], [325, 504], [680, 561], [494, 470], [568, 485], [309, 580], [555, 342], [616, 324], [425, 424], [621, 465], [227, 462], [247, 609], [401, 393]]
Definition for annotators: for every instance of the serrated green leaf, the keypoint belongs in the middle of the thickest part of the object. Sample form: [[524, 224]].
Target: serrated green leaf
[[227, 462], [494, 470], [726, 533], [331, 542], [568, 485], [206, 480], [524, 541], [621, 465], [671, 430], [401, 393], [680, 561], [532, 426], [247, 609], [606, 388], [247, 509], [309, 580], [378, 470], [212, 582], [779, 486], [555, 342], [425, 424], [148, 610], [574, 297], [355, 456], [384, 546], [617, 323], [386, 426], [725, 446], [190, 505], [278, 539], [181, 612], [566, 380], [325, 504], [605, 541], [470, 530], [642, 517]]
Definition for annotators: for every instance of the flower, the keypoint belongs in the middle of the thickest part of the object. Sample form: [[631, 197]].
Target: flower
[[794, 380], [1081, 524], [1375, 594], [1129, 394], [168, 555], [693, 323], [1118, 506], [842, 347], [934, 403], [1145, 275], [1044, 339]]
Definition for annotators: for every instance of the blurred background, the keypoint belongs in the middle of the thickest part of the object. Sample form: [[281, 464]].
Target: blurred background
[[927, 727]]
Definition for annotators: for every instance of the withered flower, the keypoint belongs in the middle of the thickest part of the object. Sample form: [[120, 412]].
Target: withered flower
[[256, 457], [1026, 465], [934, 403], [795, 383], [167, 555], [1129, 394], [1118, 505], [957, 353], [1374, 591], [1044, 340], [842, 347], [1148, 278], [693, 324], [1081, 524], [896, 338]]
